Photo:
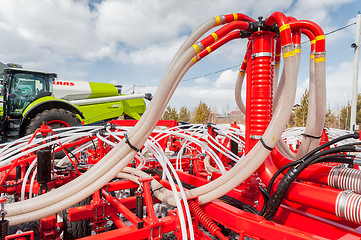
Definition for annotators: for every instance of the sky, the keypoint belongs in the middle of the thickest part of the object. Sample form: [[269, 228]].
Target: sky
[[132, 43]]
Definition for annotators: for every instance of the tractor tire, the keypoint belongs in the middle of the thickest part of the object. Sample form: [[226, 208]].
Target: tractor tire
[[77, 229], [24, 227], [55, 117]]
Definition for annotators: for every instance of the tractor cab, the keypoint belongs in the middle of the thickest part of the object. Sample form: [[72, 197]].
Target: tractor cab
[[21, 87]]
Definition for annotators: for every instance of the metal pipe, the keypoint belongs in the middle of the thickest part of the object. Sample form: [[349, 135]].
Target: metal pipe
[[110, 99]]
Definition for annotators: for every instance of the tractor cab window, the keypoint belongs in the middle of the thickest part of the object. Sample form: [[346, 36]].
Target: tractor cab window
[[24, 88]]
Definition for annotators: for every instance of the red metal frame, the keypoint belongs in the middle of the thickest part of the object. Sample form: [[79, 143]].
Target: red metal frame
[[307, 212]]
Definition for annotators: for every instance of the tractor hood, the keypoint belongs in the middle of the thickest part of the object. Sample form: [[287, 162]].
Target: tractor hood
[[77, 90]]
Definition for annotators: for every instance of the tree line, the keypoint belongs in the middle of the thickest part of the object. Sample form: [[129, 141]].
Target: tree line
[[335, 119], [201, 114]]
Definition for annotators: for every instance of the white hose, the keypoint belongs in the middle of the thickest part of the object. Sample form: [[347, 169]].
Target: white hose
[[164, 162], [22, 195], [108, 167], [238, 91], [316, 108]]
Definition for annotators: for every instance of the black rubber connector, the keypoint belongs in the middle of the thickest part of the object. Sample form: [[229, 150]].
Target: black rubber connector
[[310, 136], [129, 144], [265, 145]]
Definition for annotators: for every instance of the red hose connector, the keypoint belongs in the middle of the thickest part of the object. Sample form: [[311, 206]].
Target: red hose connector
[[311, 37], [296, 33], [315, 29], [278, 51], [223, 31], [283, 26], [206, 221], [225, 39], [238, 17]]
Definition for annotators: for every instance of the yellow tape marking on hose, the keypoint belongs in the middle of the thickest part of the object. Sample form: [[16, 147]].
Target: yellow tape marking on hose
[[195, 46], [313, 41], [321, 37], [284, 27], [320, 59], [215, 36], [277, 64], [209, 49], [195, 59], [235, 16], [218, 20], [297, 50], [312, 56], [244, 60], [289, 54], [242, 73], [277, 54]]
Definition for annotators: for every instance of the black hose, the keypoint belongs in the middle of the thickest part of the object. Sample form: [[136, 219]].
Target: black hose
[[293, 173], [354, 135]]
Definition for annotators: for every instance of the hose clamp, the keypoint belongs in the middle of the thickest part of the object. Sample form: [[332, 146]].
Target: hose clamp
[[357, 161], [129, 144], [257, 137], [357, 148], [262, 54], [287, 46], [341, 201], [336, 172]]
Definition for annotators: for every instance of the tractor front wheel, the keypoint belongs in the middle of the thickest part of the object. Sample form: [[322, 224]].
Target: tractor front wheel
[[55, 118]]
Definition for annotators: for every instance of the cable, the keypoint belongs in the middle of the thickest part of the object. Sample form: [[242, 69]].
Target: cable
[[333, 31], [212, 73]]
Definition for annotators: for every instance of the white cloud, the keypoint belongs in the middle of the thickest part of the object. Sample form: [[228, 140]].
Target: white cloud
[[339, 84], [202, 81], [227, 79], [136, 30], [317, 11], [68, 37]]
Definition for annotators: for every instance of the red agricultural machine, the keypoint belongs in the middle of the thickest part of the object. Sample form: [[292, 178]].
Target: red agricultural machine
[[152, 179]]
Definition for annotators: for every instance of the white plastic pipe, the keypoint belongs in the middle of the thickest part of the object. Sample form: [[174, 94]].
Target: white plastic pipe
[[108, 99]]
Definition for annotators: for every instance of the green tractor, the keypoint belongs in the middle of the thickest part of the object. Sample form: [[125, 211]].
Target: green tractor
[[30, 98]]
